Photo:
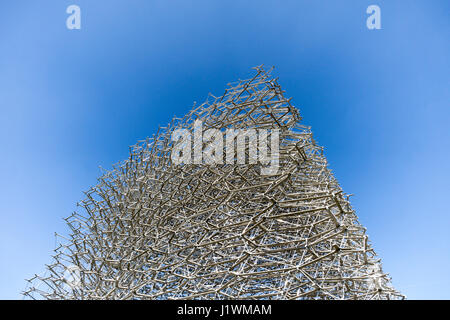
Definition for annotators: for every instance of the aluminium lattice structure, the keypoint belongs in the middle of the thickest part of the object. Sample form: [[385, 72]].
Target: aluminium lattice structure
[[154, 230]]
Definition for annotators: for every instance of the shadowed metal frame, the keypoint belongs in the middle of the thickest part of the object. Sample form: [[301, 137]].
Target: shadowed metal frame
[[154, 230]]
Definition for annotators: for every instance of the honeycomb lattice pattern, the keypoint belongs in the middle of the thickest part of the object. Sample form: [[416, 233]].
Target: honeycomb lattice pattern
[[154, 230]]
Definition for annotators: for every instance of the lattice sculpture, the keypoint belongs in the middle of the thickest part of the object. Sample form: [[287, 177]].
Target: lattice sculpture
[[155, 230]]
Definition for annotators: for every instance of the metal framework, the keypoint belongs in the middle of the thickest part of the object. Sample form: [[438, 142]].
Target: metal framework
[[154, 230]]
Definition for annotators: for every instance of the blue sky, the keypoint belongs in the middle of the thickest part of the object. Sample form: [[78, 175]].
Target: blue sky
[[377, 100]]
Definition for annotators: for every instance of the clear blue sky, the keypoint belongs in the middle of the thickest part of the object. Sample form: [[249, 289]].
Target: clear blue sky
[[378, 100]]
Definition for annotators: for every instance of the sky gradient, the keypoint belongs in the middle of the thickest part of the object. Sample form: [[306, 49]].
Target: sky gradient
[[377, 100]]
